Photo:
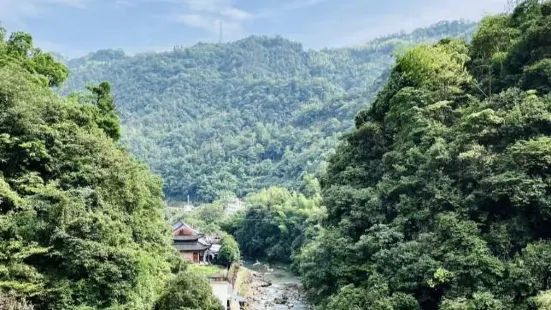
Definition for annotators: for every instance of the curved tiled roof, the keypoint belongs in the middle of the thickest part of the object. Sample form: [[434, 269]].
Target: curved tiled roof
[[186, 237], [184, 228], [177, 225], [195, 246]]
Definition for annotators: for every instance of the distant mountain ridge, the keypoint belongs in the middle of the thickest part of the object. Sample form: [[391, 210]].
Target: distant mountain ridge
[[243, 115]]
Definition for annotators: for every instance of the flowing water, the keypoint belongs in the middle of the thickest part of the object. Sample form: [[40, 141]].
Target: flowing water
[[285, 291]]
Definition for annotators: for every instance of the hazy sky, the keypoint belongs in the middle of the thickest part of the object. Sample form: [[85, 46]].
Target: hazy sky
[[75, 27]]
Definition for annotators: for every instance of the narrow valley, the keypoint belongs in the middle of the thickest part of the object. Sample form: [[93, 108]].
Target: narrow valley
[[406, 172]]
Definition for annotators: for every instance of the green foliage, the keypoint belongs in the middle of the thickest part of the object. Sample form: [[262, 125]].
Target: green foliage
[[18, 51], [207, 270], [242, 116], [207, 217], [351, 298], [439, 199], [275, 223], [109, 120], [211, 213], [81, 222], [229, 251], [543, 300], [188, 291], [420, 64], [513, 50]]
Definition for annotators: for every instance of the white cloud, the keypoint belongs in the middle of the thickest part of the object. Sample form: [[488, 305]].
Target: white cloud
[[236, 14], [197, 21], [210, 14], [231, 29], [210, 6], [73, 3], [300, 4], [123, 3], [14, 11], [277, 8], [356, 29]]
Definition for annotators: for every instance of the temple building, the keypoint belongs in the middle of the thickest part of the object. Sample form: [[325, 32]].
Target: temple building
[[192, 244]]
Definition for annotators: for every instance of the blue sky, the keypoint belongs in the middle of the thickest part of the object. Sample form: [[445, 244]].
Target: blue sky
[[76, 27]]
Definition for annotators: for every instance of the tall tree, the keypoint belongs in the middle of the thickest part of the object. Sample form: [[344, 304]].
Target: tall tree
[[108, 119]]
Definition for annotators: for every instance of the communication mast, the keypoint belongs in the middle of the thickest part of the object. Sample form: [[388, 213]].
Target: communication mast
[[221, 33]]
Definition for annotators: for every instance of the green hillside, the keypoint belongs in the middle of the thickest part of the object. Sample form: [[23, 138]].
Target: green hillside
[[439, 198], [81, 221], [243, 115]]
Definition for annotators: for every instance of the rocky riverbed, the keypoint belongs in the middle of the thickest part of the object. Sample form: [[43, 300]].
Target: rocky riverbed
[[275, 288]]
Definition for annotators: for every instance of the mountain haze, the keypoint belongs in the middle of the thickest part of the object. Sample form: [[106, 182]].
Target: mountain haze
[[244, 115]]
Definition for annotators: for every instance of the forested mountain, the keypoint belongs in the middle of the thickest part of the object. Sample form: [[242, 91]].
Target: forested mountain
[[437, 198], [81, 221], [440, 197], [244, 115]]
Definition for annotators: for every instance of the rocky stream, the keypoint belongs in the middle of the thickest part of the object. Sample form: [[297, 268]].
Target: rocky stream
[[275, 288]]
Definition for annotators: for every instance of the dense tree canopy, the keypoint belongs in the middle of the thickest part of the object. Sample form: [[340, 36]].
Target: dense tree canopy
[[229, 251], [275, 224], [81, 222], [19, 52], [245, 115], [439, 199], [188, 291]]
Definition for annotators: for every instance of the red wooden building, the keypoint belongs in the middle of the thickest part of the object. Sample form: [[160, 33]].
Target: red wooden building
[[191, 243]]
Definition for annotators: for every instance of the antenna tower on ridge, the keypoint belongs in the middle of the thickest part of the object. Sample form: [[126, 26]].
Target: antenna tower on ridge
[[221, 33]]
